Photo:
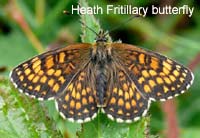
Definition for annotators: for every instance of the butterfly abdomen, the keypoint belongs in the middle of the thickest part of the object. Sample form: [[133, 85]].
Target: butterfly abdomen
[[101, 86]]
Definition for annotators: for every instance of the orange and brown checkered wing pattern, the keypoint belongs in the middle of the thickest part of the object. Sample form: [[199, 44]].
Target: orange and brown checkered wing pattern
[[48, 74], [155, 76], [126, 103], [77, 103]]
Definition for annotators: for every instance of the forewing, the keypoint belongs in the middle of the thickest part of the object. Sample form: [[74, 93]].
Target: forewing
[[77, 103], [125, 104], [46, 75], [155, 76]]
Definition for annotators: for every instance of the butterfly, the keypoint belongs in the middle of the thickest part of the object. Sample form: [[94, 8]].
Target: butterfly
[[118, 79]]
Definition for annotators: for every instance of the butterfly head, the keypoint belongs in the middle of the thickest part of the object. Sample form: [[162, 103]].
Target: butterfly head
[[102, 36]]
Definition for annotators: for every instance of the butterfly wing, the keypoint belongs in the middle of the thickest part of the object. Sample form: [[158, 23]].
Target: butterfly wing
[[48, 74], [155, 76], [126, 103], [78, 101]]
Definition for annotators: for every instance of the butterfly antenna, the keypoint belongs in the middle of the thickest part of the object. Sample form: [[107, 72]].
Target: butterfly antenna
[[88, 27], [82, 23], [125, 22]]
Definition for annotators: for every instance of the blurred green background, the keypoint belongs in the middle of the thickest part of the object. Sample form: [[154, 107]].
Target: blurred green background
[[30, 27]]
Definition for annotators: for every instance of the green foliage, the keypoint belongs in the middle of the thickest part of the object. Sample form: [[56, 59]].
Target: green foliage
[[191, 132], [102, 127], [21, 116], [90, 21]]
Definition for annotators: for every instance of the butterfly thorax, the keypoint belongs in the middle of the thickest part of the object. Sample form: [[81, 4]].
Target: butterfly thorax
[[101, 52]]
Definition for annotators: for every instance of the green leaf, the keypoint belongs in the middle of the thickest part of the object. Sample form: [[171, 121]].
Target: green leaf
[[102, 127], [21, 116], [90, 21]]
